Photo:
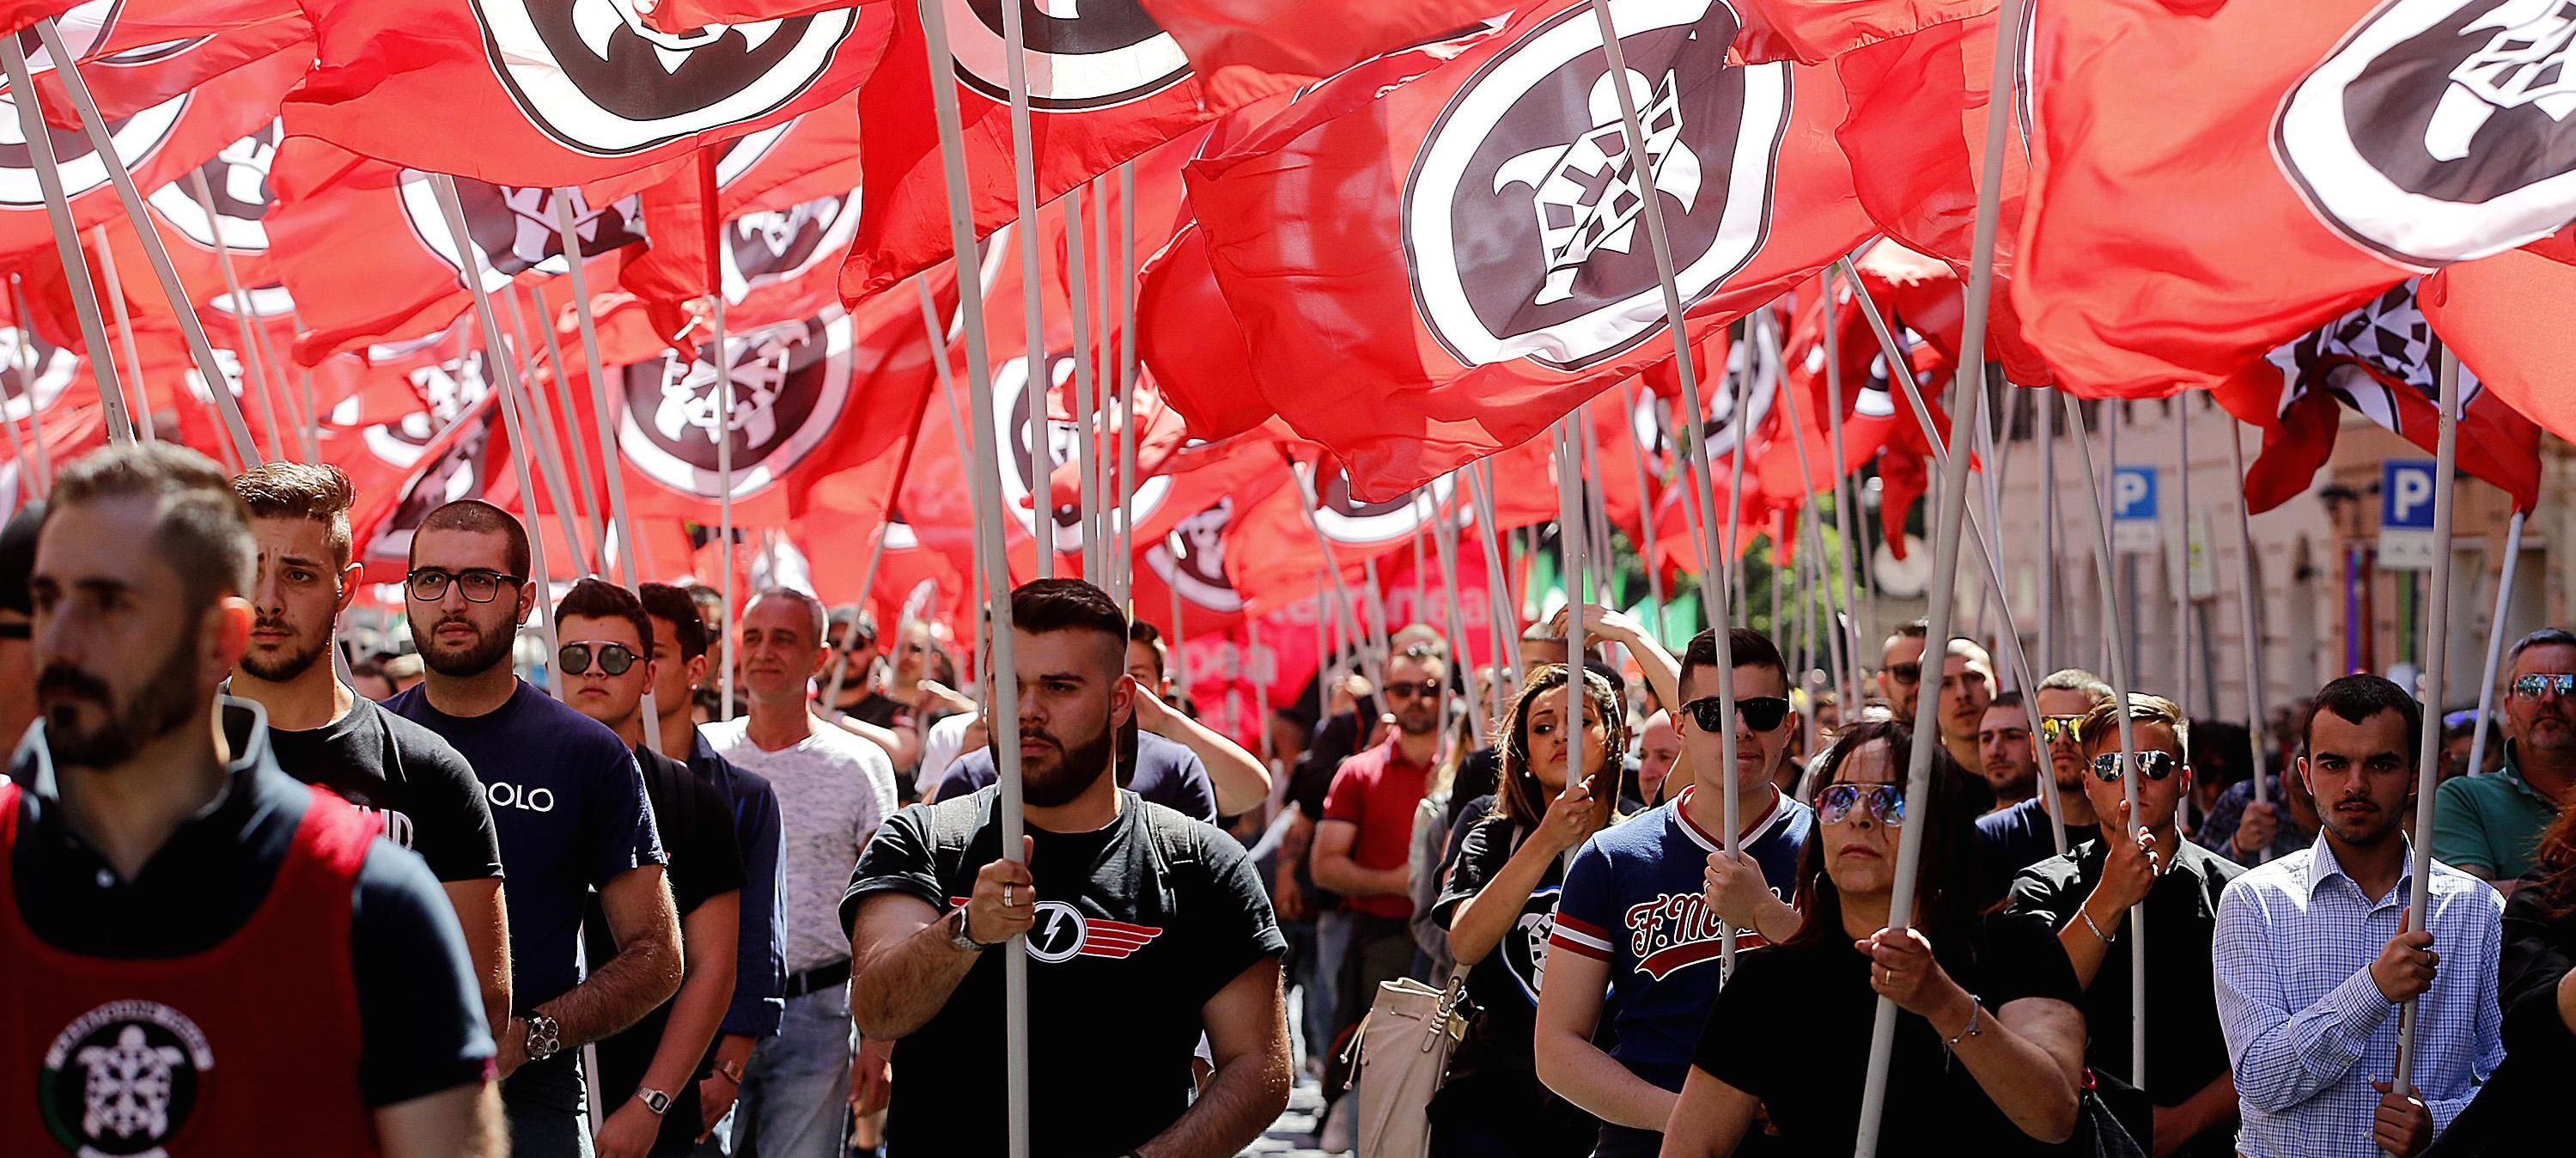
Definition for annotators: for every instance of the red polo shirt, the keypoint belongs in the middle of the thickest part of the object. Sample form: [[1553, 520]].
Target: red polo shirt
[[1377, 791]]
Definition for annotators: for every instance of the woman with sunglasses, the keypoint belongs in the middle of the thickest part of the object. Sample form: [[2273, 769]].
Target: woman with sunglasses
[[1989, 1047], [1499, 906]]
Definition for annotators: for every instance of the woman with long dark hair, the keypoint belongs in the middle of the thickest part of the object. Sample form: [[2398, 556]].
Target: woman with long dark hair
[[1990, 1048], [1498, 907], [2536, 990]]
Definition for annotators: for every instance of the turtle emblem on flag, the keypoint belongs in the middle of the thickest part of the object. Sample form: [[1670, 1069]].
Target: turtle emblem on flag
[[447, 390], [599, 79], [515, 225], [237, 182], [770, 246], [1012, 400], [1192, 559], [1083, 55], [790, 385], [124, 1079], [2369, 359], [1523, 219], [2439, 130]]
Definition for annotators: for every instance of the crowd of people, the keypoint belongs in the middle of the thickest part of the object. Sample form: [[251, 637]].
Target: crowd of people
[[261, 895]]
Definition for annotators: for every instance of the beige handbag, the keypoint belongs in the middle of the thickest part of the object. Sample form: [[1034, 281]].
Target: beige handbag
[[1402, 1051]]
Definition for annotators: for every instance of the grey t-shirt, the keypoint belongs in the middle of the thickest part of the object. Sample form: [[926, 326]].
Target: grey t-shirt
[[834, 788]]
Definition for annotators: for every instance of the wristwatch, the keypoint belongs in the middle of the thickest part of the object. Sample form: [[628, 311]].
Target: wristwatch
[[545, 1038], [654, 1100], [958, 937]]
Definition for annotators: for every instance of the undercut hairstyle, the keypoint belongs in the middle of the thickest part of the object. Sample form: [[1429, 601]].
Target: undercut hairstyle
[[2355, 698], [2005, 701], [1746, 647], [298, 490], [1047, 606], [202, 528], [815, 615], [2076, 679], [1947, 894], [481, 518], [597, 599], [2545, 637], [673, 605], [2102, 724]]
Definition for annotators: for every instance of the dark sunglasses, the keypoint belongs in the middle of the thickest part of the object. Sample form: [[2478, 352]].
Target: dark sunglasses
[[2154, 765], [429, 584], [2060, 728], [1885, 802], [1761, 713], [1906, 673], [614, 658], [2532, 687], [1424, 690]]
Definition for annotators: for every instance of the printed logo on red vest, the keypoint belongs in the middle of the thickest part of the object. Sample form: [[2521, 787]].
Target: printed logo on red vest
[[122, 1079], [1063, 933], [1676, 931]]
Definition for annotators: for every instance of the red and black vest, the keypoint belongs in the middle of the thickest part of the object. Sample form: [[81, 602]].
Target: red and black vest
[[248, 1048]]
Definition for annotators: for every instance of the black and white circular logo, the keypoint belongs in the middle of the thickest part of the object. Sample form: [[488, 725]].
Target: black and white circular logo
[[237, 183], [1525, 950], [1524, 224], [593, 75], [1011, 401], [1753, 374], [457, 473], [791, 383], [2439, 130], [447, 390], [1191, 559], [123, 1079], [1346, 519], [1058, 934], [33, 373], [771, 246], [1082, 54], [515, 225], [136, 138]]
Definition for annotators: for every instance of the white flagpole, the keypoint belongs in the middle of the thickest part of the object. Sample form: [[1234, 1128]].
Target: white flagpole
[[1444, 541], [1127, 379], [723, 365], [985, 480], [27, 367], [1497, 582], [125, 335], [1095, 554], [1856, 626], [2249, 606], [559, 397], [2048, 539], [1097, 356], [1024, 174], [568, 510], [254, 375], [2182, 572], [2495, 641], [2436, 671], [1645, 510], [1570, 549], [58, 209]]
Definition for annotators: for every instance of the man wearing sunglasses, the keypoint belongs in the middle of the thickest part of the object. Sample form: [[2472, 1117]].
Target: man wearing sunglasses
[[2487, 826], [325, 734], [570, 806], [17, 615], [2012, 839], [1638, 923], [1900, 668], [2087, 895]]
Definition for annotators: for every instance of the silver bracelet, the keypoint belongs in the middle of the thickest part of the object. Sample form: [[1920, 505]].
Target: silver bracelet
[[2098, 934], [1975, 1007]]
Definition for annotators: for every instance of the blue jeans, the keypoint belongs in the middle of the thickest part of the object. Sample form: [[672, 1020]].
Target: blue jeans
[[796, 1090]]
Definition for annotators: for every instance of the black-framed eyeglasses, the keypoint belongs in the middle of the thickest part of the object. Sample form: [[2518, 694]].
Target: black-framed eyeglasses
[[615, 659], [2532, 687], [2055, 729], [1884, 802], [2154, 765], [480, 585], [1905, 673], [1761, 713], [1424, 690]]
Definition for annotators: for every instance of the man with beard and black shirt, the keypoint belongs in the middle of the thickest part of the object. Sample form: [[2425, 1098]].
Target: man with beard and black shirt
[[1144, 929], [173, 907], [325, 734], [648, 1071], [570, 807]]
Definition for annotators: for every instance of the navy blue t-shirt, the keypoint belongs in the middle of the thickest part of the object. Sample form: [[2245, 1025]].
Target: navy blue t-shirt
[[1636, 898], [570, 807], [1165, 772]]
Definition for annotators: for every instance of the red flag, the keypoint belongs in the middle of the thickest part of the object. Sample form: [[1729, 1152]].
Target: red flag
[[18, 14], [134, 54], [677, 16], [2211, 183], [1187, 334], [2505, 317], [1439, 252], [1811, 31], [557, 93], [1249, 48]]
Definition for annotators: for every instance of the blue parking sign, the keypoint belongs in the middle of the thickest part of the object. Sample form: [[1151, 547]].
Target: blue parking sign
[[2406, 493]]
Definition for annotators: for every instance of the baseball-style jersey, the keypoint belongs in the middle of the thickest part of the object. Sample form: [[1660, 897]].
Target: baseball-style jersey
[[1635, 897]]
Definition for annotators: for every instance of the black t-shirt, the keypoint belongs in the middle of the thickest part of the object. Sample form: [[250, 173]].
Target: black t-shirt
[[1138, 925], [1492, 1075], [377, 760], [706, 861], [1792, 1028], [2012, 839], [419, 1011], [876, 708]]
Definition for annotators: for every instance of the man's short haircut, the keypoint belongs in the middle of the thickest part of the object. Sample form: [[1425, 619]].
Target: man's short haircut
[[299, 490], [2076, 679], [816, 617], [2005, 701], [2545, 637], [706, 598], [1139, 631], [1745, 646], [2355, 698], [1971, 650], [203, 528], [1918, 629], [1415, 635], [673, 605], [1047, 606], [598, 599], [481, 518], [2102, 724]]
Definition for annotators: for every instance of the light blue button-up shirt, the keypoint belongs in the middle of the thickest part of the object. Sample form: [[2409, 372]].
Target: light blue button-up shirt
[[2308, 1030]]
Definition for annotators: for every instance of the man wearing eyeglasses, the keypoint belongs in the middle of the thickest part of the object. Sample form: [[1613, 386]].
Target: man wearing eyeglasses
[[570, 806], [326, 734], [2088, 894], [1637, 926], [2487, 826], [648, 1072]]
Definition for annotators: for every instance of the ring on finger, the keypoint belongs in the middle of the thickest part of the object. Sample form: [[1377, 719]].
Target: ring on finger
[[1006, 896]]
